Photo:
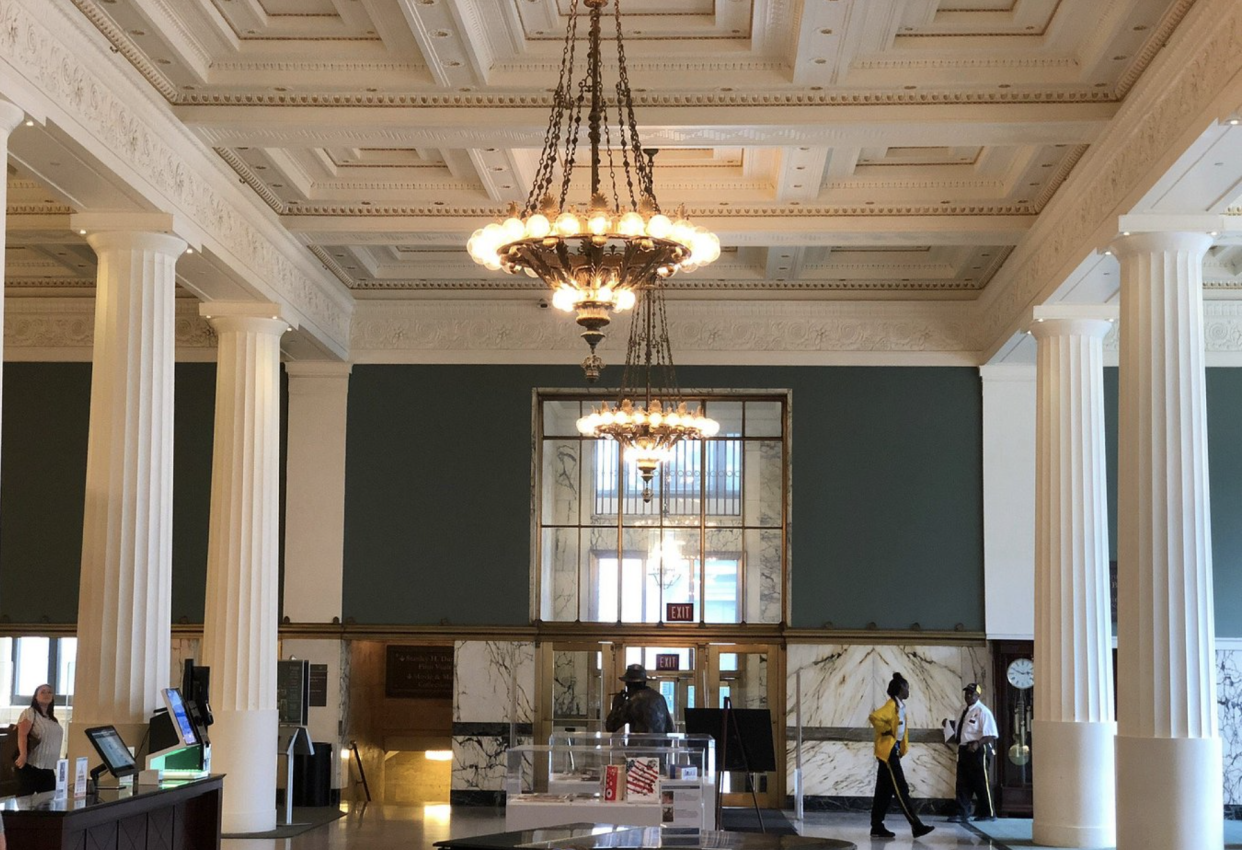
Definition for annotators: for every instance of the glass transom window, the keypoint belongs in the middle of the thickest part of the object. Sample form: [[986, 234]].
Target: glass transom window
[[708, 548]]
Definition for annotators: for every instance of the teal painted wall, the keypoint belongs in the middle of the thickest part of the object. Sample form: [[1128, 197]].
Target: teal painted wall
[[43, 482], [887, 493], [1224, 426]]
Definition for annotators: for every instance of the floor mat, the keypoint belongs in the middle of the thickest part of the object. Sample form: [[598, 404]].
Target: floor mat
[[303, 820]]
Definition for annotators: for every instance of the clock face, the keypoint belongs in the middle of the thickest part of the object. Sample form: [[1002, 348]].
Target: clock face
[[1021, 673]]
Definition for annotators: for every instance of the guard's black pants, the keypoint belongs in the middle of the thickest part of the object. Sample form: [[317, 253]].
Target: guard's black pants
[[972, 781], [890, 781]]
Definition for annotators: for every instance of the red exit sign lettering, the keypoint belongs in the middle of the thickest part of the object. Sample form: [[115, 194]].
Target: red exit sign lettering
[[670, 661], [679, 612]]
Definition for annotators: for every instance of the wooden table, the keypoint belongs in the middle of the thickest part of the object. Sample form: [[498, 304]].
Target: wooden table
[[171, 816]]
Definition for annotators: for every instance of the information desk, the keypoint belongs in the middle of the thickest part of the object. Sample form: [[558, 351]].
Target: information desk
[[172, 816], [595, 836]]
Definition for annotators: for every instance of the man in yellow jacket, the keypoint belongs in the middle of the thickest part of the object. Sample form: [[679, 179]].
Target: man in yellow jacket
[[892, 741]]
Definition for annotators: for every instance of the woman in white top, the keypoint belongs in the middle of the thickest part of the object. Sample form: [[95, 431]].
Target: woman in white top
[[39, 737]]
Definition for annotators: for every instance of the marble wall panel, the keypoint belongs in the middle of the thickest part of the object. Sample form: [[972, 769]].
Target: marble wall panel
[[492, 680], [480, 762], [842, 684], [1229, 716]]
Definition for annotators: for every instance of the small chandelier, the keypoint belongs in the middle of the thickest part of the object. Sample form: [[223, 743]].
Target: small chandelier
[[595, 259], [649, 416]]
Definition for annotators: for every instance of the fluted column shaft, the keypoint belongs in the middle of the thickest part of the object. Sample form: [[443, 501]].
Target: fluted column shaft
[[1169, 793], [239, 630], [124, 602], [1074, 728], [10, 118]]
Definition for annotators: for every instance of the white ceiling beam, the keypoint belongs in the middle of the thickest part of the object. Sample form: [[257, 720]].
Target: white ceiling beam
[[497, 172], [442, 43], [799, 173], [784, 262], [949, 125]]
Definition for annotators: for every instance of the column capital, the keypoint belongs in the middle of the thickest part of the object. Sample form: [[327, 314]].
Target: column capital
[[11, 116], [243, 316], [112, 228], [1089, 320], [135, 240], [1132, 242]]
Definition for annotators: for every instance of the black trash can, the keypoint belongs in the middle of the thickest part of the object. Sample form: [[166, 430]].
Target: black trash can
[[312, 777]]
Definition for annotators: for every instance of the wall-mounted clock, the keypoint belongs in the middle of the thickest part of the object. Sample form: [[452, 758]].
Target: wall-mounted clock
[[1021, 673]]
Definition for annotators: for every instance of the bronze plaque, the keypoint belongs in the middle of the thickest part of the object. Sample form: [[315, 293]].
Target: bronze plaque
[[422, 672]]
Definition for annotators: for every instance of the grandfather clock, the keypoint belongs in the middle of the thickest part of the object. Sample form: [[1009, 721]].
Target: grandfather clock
[[1014, 674]]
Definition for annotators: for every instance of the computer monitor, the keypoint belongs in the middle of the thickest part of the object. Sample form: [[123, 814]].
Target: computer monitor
[[196, 688], [182, 725], [173, 741], [116, 756]]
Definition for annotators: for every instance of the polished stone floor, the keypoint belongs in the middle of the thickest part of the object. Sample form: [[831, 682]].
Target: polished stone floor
[[382, 827]]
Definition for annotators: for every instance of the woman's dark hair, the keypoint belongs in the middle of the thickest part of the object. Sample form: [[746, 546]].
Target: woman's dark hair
[[895, 686], [51, 707]]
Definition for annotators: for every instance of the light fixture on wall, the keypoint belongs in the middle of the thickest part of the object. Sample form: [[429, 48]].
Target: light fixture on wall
[[597, 257], [649, 416]]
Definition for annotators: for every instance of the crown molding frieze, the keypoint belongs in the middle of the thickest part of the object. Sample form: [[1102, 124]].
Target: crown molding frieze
[[51, 53], [63, 329], [1222, 331], [1152, 46], [1204, 55], [707, 332], [512, 283], [122, 43]]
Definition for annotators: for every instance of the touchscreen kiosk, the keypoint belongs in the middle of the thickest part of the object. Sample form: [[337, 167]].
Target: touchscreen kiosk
[[175, 743], [117, 759]]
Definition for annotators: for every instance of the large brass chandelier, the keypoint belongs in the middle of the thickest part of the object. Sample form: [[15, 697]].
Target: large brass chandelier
[[595, 258], [649, 416]]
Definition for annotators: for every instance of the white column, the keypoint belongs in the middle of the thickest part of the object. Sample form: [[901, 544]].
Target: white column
[[315, 491], [1074, 730], [10, 118], [240, 621], [1008, 500], [124, 600], [1169, 785]]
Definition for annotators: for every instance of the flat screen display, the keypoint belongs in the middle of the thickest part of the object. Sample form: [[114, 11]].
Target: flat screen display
[[112, 750], [180, 716]]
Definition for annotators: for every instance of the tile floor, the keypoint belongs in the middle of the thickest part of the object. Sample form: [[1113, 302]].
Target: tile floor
[[379, 827]]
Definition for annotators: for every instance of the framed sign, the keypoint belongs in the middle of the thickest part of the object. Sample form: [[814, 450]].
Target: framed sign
[[679, 612], [668, 661], [420, 672]]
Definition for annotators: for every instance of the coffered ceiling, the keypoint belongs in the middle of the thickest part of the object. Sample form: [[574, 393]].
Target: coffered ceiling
[[870, 152]]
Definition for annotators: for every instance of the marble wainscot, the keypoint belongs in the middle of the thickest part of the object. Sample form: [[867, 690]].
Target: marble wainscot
[[493, 689], [1229, 717], [843, 683]]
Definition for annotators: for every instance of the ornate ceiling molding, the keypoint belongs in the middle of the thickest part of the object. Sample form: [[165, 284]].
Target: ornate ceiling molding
[[1159, 37], [64, 329], [524, 284], [738, 332], [1203, 56], [1222, 329], [52, 56]]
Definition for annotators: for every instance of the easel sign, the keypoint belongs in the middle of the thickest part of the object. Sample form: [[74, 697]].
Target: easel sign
[[679, 612], [668, 661]]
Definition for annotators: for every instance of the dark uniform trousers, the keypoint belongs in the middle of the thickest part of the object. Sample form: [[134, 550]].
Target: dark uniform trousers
[[972, 781], [890, 781]]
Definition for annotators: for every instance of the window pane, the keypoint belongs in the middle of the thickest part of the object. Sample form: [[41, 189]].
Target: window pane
[[765, 487], [763, 419], [604, 591], [559, 588], [599, 482], [560, 482], [642, 581], [677, 566], [560, 418], [32, 661], [722, 482], [764, 586], [728, 414], [67, 665]]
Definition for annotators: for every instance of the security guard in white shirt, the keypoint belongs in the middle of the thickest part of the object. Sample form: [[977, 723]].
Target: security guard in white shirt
[[975, 733]]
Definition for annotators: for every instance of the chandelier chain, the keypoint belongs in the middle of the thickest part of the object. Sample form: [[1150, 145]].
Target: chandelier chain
[[626, 97], [560, 103]]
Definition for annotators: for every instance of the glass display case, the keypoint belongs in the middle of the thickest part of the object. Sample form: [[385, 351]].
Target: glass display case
[[639, 780]]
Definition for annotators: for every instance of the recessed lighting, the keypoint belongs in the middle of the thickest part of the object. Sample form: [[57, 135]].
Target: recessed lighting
[[189, 250], [81, 232], [1235, 121], [29, 123], [1125, 233]]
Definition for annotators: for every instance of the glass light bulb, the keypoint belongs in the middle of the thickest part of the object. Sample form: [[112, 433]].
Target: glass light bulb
[[513, 230], [631, 224], [492, 265], [673, 420], [563, 299], [599, 223], [605, 293], [584, 425], [567, 224], [625, 299], [656, 418], [682, 232], [659, 227], [538, 226]]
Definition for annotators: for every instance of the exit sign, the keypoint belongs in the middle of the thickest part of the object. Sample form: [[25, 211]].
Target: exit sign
[[679, 612], [670, 661]]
